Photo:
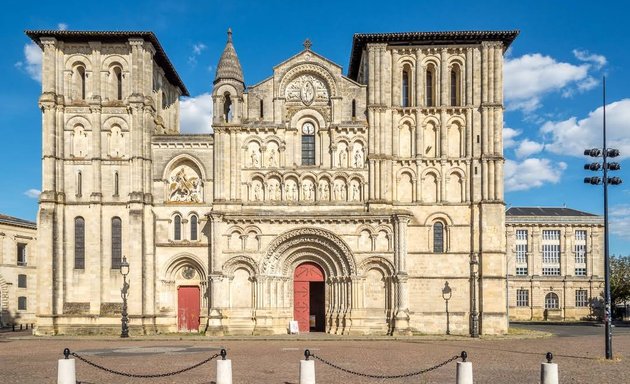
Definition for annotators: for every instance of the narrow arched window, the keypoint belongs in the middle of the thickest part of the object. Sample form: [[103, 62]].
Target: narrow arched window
[[193, 227], [551, 301], [79, 183], [438, 237], [406, 87], [227, 108], [80, 82], [177, 227], [430, 86], [354, 108], [262, 109], [308, 144], [116, 242], [116, 184], [79, 243], [118, 90], [455, 87]]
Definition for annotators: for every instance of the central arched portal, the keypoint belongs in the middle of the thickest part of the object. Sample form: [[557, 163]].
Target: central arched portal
[[309, 297]]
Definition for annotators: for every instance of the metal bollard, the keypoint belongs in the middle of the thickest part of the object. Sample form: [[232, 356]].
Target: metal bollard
[[549, 371], [224, 369], [307, 369], [66, 370], [464, 370]]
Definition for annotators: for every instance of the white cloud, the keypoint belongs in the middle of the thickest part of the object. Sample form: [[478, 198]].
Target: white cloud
[[620, 220], [531, 173], [584, 55], [32, 63], [33, 193], [529, 77], [197, 49], [196, 114], [527, 148], [572, 136], [509, 135], [62, 26]]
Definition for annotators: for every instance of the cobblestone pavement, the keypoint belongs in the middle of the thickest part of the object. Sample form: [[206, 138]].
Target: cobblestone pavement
[[255, 360]]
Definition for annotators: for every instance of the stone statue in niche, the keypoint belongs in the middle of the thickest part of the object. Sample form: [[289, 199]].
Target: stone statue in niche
[[324, 192], [356, 194], [358, 158], [273, 161], [79, 142], [255, 158], [343, 191], [116, 142], [271, 191], [343, 158], [307, 190], [257, 192], [291, 191], [185, 186]]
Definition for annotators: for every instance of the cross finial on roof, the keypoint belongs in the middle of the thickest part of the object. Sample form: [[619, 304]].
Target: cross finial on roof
[[308, 44], [229, 34]]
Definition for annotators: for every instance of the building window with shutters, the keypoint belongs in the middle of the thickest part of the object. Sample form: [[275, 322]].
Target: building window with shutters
[[551, 253], [580, 253], [521, 252]]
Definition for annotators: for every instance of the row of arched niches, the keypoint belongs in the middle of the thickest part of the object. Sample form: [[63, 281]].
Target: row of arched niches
[[184, 183]]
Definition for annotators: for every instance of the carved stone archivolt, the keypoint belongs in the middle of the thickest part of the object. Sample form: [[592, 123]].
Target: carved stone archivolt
[[324, 246]]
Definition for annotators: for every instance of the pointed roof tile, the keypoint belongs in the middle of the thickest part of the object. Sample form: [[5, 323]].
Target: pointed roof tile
[[229, 67]]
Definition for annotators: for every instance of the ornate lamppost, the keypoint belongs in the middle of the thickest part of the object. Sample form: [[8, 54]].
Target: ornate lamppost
[[124, 292], [446, 295]]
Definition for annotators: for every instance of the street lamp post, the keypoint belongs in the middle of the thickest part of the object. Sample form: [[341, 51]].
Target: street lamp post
[[124, 292], [446, 295], [605, 166]]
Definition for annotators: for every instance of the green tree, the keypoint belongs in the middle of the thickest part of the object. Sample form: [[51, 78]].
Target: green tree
[[619, 279]]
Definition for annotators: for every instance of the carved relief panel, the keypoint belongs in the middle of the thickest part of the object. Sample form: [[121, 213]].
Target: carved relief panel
[[184, 185]]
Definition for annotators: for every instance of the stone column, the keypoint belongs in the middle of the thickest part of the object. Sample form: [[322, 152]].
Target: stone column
[[419, 79], [444, 78], [401, 325]]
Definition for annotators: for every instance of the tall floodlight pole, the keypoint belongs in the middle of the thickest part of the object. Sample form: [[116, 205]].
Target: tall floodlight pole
[[606, 166], [607, 306]]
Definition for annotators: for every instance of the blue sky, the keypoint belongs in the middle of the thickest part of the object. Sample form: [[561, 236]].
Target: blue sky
[[553, 75]]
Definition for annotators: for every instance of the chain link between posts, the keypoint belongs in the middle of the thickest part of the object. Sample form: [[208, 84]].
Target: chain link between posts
[[400, 376], [145, 376]]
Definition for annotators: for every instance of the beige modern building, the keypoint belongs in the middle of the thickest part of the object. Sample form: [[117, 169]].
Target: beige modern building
[[343, 201], [555, 264], [18, 274]]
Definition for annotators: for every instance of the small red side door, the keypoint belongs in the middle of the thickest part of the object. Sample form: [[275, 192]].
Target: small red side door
[[188, 309]]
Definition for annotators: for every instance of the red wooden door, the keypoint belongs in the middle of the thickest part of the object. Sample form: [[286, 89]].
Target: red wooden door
[[303, 276], [188, 310]]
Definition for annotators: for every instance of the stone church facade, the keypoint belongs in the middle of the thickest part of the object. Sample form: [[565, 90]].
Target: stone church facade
[[346, 202]]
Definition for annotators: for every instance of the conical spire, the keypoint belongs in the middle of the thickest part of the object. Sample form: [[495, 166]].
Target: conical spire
[[229, 67]]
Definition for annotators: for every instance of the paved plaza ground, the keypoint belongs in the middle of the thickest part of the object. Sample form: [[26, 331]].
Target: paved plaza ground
[[578, 350]]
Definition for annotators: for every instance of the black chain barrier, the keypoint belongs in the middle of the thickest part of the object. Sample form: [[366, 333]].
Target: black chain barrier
[[463, 356], [146, 376]]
